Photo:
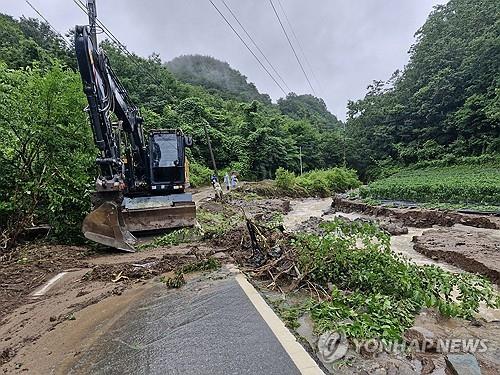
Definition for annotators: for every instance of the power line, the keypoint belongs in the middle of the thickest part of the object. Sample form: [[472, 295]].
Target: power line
[[291, 45], [247, 46], [117, 42], [256, 46], [300, 46], [68, 45]]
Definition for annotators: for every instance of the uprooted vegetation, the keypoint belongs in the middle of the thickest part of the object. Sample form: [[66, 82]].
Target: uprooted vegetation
[[177, 280], [214, 221], [358, 285]]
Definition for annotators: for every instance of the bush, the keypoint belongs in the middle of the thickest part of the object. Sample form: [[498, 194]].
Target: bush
[[318, 182], [375, 292], [199, 175], [285, 179], [46, 152]]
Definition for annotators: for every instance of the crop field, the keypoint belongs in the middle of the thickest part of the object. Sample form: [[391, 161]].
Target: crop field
[[464, 185]]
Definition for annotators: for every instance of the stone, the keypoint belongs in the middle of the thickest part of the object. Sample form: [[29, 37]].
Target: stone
[[462, 364], [306, 331], [393, 229], [425, 338]]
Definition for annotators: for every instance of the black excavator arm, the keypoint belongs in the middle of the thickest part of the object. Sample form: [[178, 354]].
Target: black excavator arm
[[106, 95]]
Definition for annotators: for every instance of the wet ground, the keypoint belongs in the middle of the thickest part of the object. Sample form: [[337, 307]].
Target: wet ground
[[207, 327], [478, 250], [86, 322]]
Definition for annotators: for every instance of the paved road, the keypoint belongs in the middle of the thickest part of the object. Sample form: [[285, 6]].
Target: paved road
[[209, 326]]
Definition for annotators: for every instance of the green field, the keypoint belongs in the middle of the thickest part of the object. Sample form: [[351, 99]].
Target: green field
[[462, 185]]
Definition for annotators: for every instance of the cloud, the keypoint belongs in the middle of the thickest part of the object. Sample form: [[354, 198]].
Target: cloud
[[348, 43]]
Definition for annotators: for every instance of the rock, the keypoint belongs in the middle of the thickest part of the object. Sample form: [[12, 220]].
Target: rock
[[427, 366], [393, 229], [462, 364], [306, 331], [406, 369], [380, 371], [425, 338]]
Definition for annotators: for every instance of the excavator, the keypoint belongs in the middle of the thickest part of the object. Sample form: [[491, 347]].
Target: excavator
[[142, 180]]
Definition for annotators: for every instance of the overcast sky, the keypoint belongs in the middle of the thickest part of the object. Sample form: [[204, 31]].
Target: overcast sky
[[348, 43]]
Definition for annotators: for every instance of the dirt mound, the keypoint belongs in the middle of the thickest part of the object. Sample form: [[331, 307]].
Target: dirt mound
[[420, 218], [469, 250], [145, 269]]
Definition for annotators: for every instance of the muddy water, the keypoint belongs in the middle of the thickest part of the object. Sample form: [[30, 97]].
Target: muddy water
[[302, 210]]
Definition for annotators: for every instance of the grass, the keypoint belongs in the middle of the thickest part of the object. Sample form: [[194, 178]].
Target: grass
[[321, 183], [459, 185]]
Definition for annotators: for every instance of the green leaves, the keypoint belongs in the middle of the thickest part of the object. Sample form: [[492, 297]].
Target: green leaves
[[447, 94], [46, 151], [460, 184], [375, 292], [317, 182]]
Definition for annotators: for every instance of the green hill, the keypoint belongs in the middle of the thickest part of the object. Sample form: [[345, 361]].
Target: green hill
[[216, 76]]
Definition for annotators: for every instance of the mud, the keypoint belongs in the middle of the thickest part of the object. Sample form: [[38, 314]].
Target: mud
[[143, 270], [419, 218], [100, 286], [412, 362], [30, 266], [468, 248], [89, 279]]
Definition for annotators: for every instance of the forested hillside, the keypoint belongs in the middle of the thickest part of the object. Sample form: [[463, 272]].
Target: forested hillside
[[46, 148], [216, 76], [445, 103]]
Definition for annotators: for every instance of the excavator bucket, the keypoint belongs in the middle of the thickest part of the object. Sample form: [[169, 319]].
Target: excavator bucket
[[105, 225], [158, 213]]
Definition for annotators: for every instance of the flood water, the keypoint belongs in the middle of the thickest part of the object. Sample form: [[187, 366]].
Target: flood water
[[303, 209]]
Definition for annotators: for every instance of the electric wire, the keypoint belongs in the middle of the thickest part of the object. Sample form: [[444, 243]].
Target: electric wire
[[68, 45], [117, 42], [256, 45], [248, 47], [300, 46], [291, 46]]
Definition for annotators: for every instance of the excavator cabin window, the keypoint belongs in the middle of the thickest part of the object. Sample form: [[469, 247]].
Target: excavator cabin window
[[165, 158]]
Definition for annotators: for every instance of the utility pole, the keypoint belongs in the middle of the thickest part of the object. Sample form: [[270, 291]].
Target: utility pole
[[345, 162], [92, 11], [300, 157], [210, 148]]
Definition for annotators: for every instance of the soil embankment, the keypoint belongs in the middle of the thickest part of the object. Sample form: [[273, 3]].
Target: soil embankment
[[473, 250], [418, 217], [470, 242]]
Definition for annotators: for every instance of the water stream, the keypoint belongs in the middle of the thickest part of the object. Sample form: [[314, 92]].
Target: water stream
[[302, 210]]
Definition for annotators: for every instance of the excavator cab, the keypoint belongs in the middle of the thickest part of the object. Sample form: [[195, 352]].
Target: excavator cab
[[168, 161], [164, 205]]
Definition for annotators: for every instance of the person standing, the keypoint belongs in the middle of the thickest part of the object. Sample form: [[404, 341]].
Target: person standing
[[227, 181], [234, 180], [213, 180]]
